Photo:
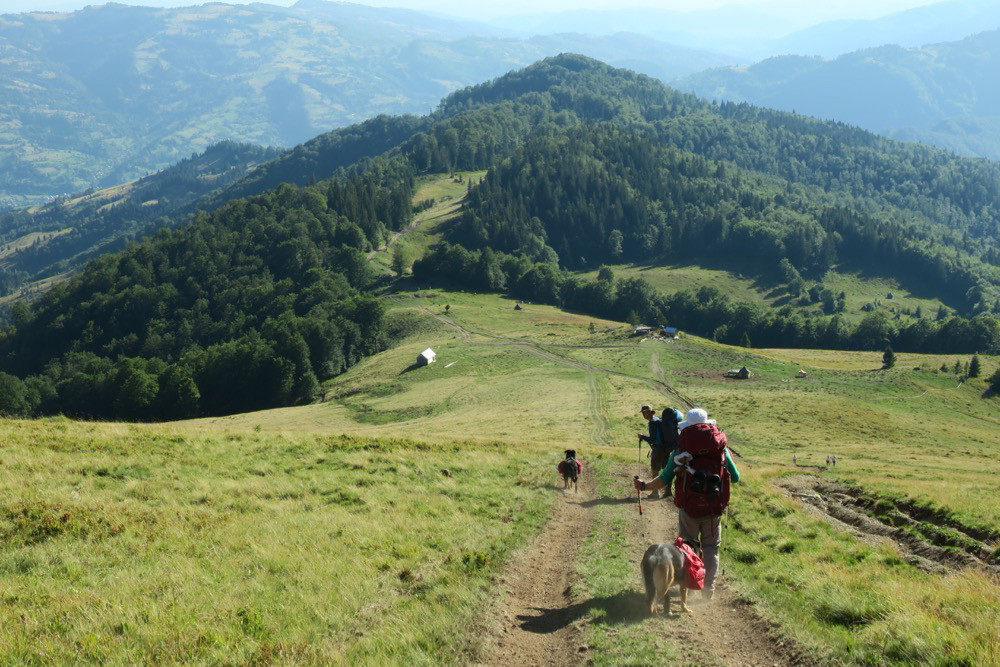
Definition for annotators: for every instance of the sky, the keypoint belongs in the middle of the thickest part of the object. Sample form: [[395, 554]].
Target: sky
[[803, 10]]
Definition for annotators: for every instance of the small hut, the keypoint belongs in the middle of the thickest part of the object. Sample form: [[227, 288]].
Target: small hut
[[671, 332], [802, 374], [426, 357], [517, 306], [642, 331], [741, 374]]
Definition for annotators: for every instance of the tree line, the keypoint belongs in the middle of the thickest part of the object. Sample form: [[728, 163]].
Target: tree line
[[706, 312], [246, 308]]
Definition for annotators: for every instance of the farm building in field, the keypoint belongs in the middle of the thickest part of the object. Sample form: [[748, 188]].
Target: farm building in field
[[741, 374], [428, 356], [671, 332], [642, 331]]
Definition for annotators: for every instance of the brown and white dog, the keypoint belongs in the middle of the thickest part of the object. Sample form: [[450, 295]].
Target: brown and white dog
[[663, 566]]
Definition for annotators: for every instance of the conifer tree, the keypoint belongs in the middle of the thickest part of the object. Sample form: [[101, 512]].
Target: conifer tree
[[745, 340], [975, 368], [888, 357]]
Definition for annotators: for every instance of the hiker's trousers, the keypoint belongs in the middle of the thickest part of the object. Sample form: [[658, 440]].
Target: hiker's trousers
[[707, 531]]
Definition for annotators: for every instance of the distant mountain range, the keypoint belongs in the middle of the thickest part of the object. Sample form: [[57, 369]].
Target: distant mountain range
[[930, 24], [946, 94], [109, 93]]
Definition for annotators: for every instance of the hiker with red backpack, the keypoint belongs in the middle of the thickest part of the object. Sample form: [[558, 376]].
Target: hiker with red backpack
[[702, 470]]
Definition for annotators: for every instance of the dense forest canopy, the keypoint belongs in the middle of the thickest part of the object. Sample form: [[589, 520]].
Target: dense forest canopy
[[254, 304], [246, 308]]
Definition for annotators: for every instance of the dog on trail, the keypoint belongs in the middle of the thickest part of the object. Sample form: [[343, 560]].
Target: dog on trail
[[663, 566], [570, 469]]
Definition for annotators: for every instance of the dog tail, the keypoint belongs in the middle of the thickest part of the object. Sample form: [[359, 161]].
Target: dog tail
[[647, 573]]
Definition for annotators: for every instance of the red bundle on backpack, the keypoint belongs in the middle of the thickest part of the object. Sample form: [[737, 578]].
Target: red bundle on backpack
[[694, 567]]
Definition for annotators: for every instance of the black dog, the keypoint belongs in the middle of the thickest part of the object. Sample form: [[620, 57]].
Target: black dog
[[570, 469]]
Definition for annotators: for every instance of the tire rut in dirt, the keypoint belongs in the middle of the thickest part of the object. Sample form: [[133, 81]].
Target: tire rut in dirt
[[724, 631], [850, 510], [537, 619]]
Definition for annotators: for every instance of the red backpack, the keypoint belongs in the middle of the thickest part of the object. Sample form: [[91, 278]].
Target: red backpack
[[701, 486], [694, 566]]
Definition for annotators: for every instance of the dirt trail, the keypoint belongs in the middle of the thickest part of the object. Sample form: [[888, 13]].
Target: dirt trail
[[724, 631], [537, 618], [537, 625], [597, 405]]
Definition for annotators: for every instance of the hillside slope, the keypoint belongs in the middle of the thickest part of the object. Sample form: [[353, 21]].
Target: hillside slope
[[108, 93], [584, 164], [81, 227], [943, 93]]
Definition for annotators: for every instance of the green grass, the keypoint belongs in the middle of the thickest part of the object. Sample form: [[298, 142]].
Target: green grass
[[129, 545], [273, 536], [859, 289], [851, 602]]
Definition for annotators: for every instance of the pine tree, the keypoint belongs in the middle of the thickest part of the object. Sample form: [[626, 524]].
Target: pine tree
[[745, 340], [888, 357], [975, 368], [994, 382], [957, 368]]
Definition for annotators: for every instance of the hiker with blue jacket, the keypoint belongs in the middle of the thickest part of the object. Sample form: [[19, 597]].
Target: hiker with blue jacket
[[660, 446]]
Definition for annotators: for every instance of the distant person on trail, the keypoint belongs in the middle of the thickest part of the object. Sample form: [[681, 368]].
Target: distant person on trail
[[702, 469], [659, 453]]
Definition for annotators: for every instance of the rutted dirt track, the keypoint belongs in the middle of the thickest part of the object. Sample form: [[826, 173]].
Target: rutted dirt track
[[538, 624], [724, 631], [539, 619]]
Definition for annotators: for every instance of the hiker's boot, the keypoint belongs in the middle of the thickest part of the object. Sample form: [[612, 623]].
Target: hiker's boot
[[708, 594], [655, 495]]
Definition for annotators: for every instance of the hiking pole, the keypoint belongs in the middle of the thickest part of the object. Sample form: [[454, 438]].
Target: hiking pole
[[638, 494]]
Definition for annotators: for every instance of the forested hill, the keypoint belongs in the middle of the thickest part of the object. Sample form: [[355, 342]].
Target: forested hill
[[649, 173], [72, 230], [255, 303]]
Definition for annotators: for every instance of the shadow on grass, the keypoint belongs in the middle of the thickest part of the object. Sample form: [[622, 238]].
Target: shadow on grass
[[626, 607], [412, 367]]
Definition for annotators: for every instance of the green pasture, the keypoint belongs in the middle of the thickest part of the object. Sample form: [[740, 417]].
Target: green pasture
[[427, 227], [329, 533], [859, 289], [159, 545]]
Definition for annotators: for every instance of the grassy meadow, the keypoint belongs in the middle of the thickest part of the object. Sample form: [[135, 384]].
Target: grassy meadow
[[160, 545], [859, 289], [367, 528]]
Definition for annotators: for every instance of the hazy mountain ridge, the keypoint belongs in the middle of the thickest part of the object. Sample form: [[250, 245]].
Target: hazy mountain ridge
[[95, 222], [942, 93], [111, 92], [930, 24]]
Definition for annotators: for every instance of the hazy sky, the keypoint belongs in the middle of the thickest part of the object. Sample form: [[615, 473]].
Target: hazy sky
[[803, 10]]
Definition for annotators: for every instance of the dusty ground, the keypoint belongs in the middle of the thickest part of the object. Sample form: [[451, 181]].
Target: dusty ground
[[537, 619], [536, 624]]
